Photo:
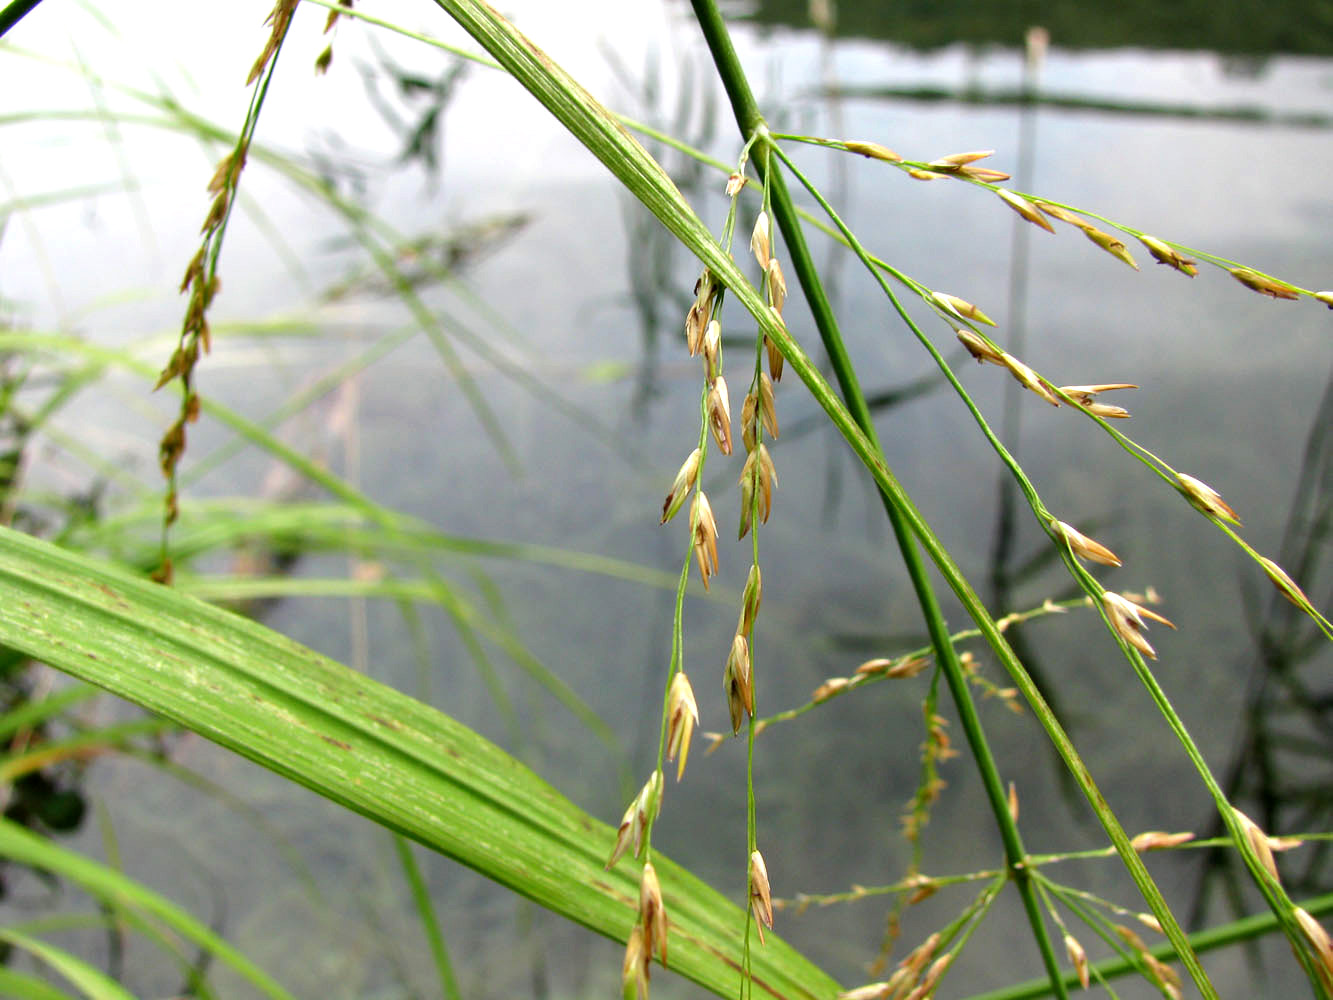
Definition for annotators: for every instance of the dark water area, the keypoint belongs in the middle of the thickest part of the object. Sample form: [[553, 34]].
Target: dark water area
[[574, 286]]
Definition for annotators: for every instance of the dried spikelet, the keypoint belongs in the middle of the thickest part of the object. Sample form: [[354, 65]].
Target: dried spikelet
[[638, 817], [1078, 958], [908, 666], [1154, 840], [705, 536], [1206, 499], [652, 915], [775, 359], [1024, 208], [831, 687], [873, 150], [1013, 802], [777, 286], [1110, 244], [1164, 254], [1259, 842], [952, 162], [695, 321], [279, 18], [681, 486], [737, 682], [923, 175], [923, 887], [760, 895], [1149, 921], [984, 174], [711, 346], [634, 969], [961, 308], [719, 414], [1318, 937], [1262, 284], [750, 421], [1083, 394], [759, 241], [979, 348], [1127, 619], [870, 991], [759, 472], [931, 979], [1028, 378], [1084, 546], [734, 183], [751, 599], [871, 667], [1056, 212], [682, 717], [767, 410], [1285, 584]]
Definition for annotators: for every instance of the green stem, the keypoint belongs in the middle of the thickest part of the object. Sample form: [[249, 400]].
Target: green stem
[[1213, 938], [751, 121]]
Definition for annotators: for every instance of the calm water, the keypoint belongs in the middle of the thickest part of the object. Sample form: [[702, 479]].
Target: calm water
[[592, 300]]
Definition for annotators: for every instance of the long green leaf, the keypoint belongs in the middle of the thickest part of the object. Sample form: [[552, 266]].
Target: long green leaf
[[370, 748]]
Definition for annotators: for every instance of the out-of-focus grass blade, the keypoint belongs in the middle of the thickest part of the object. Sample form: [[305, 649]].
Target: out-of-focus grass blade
[[92, 983], [370, 748], [118, 890]]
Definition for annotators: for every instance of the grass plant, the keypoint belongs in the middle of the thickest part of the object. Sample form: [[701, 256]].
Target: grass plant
[[129, 600]]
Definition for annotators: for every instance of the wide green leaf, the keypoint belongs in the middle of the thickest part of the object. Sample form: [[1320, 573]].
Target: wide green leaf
[[372, 749]]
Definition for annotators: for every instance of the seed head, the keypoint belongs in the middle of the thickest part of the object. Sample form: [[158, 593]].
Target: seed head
[[652, 915], [681, 486], [961, 308], [1263, 284], [1205, 498], [1127, 619], [979, 348], [737, 682], [1084, 546], [760, 895], [719, 415], [682, 717], [1078, 957], [759, 241], [1164, 254], [873, 150], [1024, 208]]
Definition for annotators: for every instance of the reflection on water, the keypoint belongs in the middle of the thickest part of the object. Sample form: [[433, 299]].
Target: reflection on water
[[590, 297]]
